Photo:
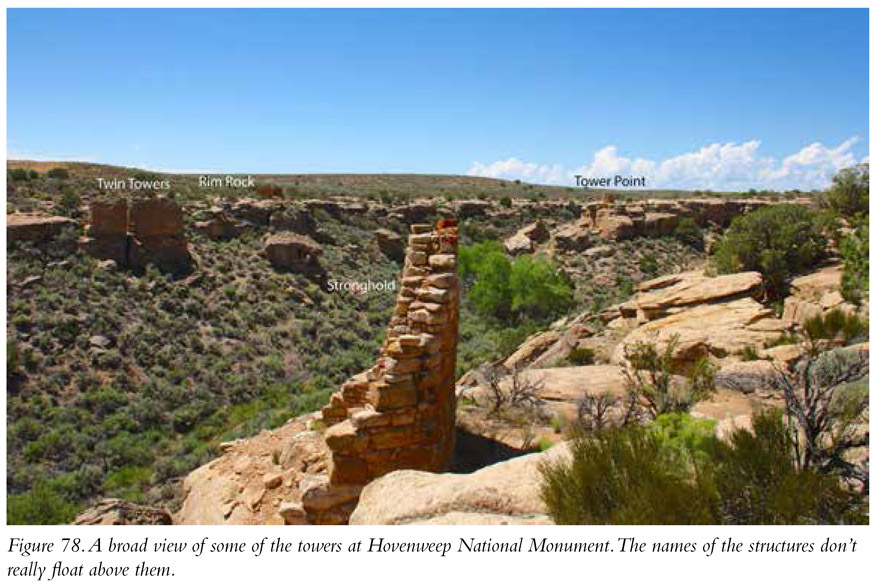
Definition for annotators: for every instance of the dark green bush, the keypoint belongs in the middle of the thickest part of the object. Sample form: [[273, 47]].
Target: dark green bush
[[755, 477], [834, 324], [689, 233], [58, 173], [776, 241], [624, 477], [528, 287], [679, 473], [69, 202], [581, 356], [42, 505], [855, 250], [17, 174], [849, 194]]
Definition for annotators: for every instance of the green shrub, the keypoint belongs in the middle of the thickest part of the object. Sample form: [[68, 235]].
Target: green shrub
[[69, 202], [581, 356], [849, 194], [683, 434], [527, 287], [539, 289], [58, 173], [42, 505], [678, 472], [776, 241], [755, 476], [648, 264], [17, 174], [689, 233], [834, 324], [623, 477], [855, 251], [652, 387]]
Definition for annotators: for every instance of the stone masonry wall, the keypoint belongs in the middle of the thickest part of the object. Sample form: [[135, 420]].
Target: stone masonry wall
[[400, 414], [148, 230]]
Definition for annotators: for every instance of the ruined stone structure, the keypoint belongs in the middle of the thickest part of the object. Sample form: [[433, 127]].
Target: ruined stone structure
[[654, 218], [107, 234], [294, 252], [147, 231], [400, 414]]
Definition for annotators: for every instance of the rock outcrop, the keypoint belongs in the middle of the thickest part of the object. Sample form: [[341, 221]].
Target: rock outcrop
[[712, 317], [817, 293], [504, 493], [572, 237], [36, 228], [612, 221], [525, 240], [258, 481], [112, 511], [667, 294], [400, 414]]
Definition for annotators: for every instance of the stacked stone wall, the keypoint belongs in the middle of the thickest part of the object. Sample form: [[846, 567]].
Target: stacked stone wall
[[400, 414], [149, 230]]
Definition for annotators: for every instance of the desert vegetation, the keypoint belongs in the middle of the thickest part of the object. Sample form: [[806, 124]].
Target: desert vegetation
[[120, 382], [806, 462]]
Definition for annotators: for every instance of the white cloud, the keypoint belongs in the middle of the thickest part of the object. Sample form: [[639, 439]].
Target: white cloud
[[727, 166], [515, 169]]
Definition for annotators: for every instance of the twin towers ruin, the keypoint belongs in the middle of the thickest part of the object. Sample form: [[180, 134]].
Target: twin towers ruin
[[399, 414]]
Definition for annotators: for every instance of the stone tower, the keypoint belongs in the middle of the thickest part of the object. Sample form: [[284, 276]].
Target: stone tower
[[400, 414]]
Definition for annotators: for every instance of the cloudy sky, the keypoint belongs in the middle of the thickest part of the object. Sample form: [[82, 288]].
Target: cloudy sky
[[702, 99]]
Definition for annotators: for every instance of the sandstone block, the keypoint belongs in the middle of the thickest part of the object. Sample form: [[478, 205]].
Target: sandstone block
[[443, 262]]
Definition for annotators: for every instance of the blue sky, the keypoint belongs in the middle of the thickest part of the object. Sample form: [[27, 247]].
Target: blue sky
[[691, 98]]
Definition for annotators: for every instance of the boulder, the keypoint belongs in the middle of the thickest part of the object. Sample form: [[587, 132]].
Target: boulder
[[257, 212], [220, 227], [505, 493], [418, 212], [36, 228], [572, 237], [518, 244], [293, 219], [599, 252], [524, 240], [530, 349], [817, 293], [537, 231], [746, 376]]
